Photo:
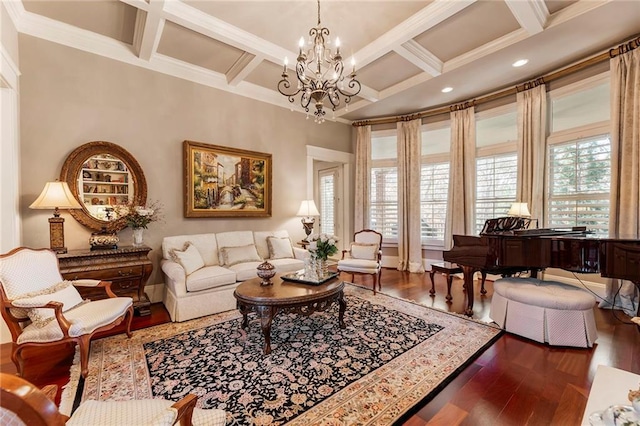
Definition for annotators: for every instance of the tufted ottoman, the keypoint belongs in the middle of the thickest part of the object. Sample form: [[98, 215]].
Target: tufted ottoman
[[546, 311]]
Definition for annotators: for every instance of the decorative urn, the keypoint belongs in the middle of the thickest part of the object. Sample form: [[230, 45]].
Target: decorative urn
[[103, 240], [266, 271]]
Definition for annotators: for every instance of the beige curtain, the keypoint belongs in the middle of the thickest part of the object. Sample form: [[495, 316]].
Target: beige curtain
[[362, 178], [625, 167], [460, 204], [409, 151], [532, 148]]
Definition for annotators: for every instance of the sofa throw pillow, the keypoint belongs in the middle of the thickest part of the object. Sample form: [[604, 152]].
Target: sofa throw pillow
[[63, 292], [189, 258], [241, 254], [364, 251], [279, 248]]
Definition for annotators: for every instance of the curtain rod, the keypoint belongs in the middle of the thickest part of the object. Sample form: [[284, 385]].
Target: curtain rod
[[611, 53]]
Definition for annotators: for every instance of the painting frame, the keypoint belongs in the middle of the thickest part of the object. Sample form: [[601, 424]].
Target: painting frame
[[245, 191]]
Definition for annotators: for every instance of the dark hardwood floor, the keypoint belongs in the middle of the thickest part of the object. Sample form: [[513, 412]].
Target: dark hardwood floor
[[514, 382]]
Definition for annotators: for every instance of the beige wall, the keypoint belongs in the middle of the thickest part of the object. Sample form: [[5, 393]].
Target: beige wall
[[69, 97]]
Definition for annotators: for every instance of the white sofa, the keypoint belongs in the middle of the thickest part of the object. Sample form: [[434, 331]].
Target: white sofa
[[201, 281]]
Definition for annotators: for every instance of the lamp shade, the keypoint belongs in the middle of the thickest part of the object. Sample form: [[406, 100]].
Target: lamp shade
[[56, 195], [308, 208], [519, 210]]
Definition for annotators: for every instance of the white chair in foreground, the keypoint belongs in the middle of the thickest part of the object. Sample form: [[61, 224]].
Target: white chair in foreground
[[41, 309], [364, 256], [22, 403]]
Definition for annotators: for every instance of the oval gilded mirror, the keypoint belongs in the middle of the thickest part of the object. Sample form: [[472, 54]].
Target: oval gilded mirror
[[103, 175]]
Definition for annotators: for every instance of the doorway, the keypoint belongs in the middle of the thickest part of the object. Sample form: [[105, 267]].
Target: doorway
[[329, 200]]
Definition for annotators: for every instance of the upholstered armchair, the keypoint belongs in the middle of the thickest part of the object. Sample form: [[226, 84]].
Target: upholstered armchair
[[23, 403], [364, 256], [42, 309]]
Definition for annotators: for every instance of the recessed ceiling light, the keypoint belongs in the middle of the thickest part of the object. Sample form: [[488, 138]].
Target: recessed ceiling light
[[520, 62], [447, 89]]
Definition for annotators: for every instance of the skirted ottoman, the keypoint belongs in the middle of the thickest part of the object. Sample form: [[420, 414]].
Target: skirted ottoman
[[545, 311]]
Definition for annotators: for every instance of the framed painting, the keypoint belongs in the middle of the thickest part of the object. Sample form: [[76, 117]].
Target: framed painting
[[226, 182]]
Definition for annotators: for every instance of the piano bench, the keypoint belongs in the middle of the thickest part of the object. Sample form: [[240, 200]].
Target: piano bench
[[447, 269], [545, 311]]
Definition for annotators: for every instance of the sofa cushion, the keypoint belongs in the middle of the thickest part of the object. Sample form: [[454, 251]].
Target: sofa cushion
[[260, 238], [233, 239], [206, 244], [279, 248], [246, 270], [210, 277], [189, 258], [287, 265], [234, 255]]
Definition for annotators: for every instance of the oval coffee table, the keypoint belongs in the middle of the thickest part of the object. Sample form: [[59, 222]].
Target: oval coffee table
[[285, 296]]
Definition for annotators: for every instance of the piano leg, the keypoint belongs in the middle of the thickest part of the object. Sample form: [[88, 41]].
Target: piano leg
[[468, 272]]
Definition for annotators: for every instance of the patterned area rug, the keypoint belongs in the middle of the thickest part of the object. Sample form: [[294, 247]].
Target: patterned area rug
[[393, 355]]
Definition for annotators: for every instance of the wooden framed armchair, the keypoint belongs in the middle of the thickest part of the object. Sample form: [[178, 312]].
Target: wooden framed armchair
[[23, 403], [42, 309], [364, 256]]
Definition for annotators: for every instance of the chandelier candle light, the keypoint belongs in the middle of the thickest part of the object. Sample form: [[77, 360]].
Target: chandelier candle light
[[319, 74]]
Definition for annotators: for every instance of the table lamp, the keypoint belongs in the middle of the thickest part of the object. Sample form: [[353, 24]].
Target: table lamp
[[56, 195], [519, 210], [307, 210]]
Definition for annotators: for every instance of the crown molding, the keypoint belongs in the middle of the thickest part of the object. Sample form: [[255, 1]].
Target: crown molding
[[486, 49]]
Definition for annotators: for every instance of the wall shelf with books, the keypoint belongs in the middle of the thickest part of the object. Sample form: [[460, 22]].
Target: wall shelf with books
[[104, 183]]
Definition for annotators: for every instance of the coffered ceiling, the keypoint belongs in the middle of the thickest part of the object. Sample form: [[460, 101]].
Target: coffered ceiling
[[406, 52]]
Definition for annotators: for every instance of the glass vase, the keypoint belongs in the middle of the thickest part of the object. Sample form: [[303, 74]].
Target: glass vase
[[138, 236], [323, 268]]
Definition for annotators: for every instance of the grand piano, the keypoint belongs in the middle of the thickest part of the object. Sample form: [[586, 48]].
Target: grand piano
[[506, 246]]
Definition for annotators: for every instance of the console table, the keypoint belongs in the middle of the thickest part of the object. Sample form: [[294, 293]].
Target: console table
[[128, 268]]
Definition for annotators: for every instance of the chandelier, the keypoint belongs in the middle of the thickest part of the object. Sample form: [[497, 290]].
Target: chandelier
[[319, 74]]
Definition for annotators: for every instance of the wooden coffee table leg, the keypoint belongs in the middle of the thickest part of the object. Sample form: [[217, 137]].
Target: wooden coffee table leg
[[266, 314], [245, 320], [343, 308], [449, 282]]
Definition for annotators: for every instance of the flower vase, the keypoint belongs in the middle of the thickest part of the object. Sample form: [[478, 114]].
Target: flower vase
[[323, 268], [138, 236]]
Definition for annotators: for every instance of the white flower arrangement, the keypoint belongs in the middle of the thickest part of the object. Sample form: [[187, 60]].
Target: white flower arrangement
[[322, 245]]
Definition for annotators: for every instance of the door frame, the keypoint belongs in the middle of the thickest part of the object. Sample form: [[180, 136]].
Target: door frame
[[346, 159]]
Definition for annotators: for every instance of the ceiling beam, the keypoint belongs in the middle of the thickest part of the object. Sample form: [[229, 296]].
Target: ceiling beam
[[436, 12], [148, 29], [420, 57], [245, 64], [532, 15]]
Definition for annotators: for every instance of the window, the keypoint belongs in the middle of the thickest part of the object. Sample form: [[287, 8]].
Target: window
[[579, 156], [434, 188], [383, 207], [434, 181], [327, 202], [579, 184], [496, 163], [495, 186]]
